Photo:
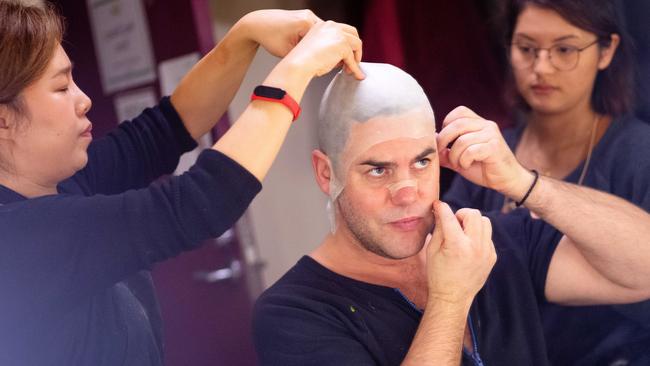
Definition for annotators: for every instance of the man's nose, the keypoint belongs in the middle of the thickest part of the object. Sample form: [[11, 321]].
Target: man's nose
[[404, 192]]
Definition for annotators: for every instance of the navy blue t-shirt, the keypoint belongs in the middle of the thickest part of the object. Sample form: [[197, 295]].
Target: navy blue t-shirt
[[74, 266], [313, 316], [590, 335]]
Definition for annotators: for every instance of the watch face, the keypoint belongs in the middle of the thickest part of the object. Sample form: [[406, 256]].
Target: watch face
[[269, 92]]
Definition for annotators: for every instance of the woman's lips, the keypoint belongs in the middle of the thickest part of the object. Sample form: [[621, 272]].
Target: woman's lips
[[88, 131], [543, 89], [406, 224]]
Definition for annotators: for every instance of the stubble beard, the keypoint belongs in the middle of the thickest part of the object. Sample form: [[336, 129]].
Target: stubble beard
[[360, 230]]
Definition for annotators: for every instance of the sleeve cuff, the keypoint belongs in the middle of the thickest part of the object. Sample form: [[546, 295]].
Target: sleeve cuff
[[241, 180], [183, 137]]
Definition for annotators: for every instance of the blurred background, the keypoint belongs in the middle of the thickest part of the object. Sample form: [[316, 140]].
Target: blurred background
[[129, 53]]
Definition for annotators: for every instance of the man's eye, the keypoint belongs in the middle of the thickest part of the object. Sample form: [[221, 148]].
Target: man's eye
[[377, 172], [421, 164]]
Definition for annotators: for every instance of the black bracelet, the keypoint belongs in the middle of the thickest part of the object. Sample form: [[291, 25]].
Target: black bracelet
[[529, 189]]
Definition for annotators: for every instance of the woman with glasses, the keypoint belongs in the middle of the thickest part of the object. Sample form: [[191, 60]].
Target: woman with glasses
[[573, 95]]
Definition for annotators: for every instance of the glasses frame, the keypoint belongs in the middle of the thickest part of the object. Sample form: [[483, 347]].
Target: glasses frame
[[548, 52]]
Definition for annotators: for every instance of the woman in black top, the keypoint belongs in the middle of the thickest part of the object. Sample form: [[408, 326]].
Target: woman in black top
[[572, 72], [81, 222]]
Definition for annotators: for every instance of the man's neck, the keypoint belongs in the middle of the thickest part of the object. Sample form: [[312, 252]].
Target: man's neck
[[349, 259]]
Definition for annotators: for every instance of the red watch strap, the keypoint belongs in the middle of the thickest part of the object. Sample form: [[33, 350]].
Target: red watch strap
[[287, 100]]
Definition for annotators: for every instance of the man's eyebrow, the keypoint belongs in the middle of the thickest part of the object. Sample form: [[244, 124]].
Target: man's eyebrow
[[64, 71], [377, 163], [428, 151]]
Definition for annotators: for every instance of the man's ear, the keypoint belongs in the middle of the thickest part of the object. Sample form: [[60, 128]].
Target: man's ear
[[607, 54], [322, 170]]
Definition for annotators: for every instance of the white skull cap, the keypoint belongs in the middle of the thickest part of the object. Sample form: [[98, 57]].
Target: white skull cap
[[385, 92]]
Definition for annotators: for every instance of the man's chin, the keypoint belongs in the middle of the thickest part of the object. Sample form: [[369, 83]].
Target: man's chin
[[406, 250]]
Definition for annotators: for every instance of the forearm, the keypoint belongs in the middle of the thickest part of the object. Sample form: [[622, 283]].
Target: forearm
[[611, 233], [439, 338], [205, 93], [254, 140]]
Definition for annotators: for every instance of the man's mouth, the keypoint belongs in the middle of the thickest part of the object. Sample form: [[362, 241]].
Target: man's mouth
[[406, 224]]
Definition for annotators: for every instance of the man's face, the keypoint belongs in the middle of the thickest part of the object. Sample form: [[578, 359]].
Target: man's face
[[386, 203]]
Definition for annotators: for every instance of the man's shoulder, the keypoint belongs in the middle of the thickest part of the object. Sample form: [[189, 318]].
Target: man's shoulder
[[307, 284]]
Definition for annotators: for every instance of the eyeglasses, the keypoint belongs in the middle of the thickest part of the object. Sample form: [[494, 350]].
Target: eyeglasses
[[562, 57]]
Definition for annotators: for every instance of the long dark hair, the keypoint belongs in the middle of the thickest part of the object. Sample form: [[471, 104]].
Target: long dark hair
[[613, 92]]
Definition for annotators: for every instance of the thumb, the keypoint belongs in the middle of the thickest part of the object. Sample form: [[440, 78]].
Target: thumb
[[436, 237], [443, 158]]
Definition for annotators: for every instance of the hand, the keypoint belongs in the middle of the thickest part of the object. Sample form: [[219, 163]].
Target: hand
[[480, 154], [278, 31], [460, 254], [327, 45]]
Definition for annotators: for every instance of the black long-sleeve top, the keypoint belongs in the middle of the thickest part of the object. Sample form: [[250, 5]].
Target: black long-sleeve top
[[74, 282]]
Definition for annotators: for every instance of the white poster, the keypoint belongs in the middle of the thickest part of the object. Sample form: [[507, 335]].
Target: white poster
[[173, 70], [122, 43], [132, 103]]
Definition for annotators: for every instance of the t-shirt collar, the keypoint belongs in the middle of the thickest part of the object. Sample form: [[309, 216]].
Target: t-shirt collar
[[9, 196]]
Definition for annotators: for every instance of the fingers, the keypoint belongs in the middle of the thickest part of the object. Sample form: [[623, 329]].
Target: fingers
[[486, 229], [479, 230], [312, 17], [459, 127], [487, 239], [464, 142], [471, 223], [354, 39], [436, 236], [349, 29], [474, 140], [353, 57], [328, 45], [474, 153], [443, 158], [457, 113], [449, 226]]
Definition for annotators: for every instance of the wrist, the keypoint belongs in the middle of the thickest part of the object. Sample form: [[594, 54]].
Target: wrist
[[291, 77], [241, 34], [522, 186], [450, 300]]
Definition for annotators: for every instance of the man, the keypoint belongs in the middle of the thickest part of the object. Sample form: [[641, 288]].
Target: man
[[373, 294]]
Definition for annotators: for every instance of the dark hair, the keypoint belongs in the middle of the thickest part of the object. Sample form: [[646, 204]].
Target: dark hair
[[613, 91], [29, 35]]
